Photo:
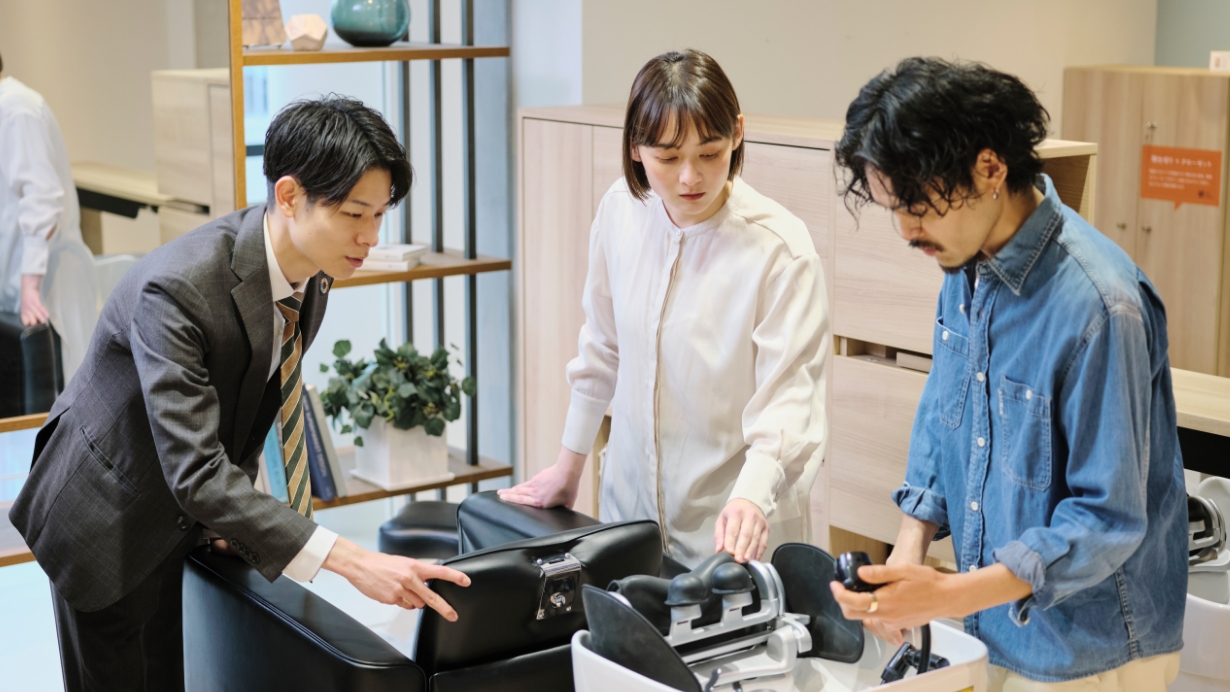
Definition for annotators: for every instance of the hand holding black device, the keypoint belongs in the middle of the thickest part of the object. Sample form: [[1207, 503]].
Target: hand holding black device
[[907, 656]]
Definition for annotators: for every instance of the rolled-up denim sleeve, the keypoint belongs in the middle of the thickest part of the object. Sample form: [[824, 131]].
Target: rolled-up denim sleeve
[[922, 494], [1104, 414]]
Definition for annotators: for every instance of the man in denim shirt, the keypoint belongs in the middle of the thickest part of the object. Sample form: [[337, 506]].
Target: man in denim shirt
[[1045, 442]]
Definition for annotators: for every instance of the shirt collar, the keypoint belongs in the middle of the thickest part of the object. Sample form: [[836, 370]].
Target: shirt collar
[[278, 284], [1015, 260]]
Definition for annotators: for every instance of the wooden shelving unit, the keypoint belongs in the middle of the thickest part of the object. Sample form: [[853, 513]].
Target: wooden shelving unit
[[434, 265], [398, 52]]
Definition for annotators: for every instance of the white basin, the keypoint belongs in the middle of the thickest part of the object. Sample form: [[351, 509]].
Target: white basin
[[1205, 662]]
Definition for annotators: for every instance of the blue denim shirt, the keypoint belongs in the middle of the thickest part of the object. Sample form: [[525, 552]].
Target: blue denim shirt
[[1046, 440]]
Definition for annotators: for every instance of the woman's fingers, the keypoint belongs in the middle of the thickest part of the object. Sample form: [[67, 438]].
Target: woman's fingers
[[719, 533]]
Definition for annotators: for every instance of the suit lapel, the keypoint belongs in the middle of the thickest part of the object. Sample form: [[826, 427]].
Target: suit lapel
[[315, 298], [254, 300]]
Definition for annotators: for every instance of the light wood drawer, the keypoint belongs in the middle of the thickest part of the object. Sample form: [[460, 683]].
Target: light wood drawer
[[884, 291], [870, 428]]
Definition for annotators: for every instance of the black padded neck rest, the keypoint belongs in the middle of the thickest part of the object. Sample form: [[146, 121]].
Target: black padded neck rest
[[806, 572], [624, 637], [498, 611], [485, 521]]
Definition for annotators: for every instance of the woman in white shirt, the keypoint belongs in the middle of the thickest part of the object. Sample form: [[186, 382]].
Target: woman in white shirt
[[705, 333]]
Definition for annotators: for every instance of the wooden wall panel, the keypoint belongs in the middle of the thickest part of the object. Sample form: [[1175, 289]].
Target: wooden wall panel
[[556, 211]]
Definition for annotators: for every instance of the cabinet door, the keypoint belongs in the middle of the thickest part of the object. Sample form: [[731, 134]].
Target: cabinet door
[[870, 444], [801, 180], [1104, 106], [556, 211], [884, 291], [1180, 250], [608, 160]]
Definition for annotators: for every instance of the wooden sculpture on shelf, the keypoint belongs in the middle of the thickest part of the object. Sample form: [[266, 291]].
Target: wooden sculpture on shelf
[[262, 23]]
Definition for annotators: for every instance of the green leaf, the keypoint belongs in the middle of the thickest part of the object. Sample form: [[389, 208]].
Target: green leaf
[[407, 390], [341, 348], [324, 368], [469, 386], [434, 426], [347, 429], [358, 441]]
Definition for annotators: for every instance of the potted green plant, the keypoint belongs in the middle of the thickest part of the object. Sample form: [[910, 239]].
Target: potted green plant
[[403, 400]]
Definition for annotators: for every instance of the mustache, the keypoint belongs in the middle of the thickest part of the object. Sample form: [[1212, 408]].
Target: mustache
[[925, 245]]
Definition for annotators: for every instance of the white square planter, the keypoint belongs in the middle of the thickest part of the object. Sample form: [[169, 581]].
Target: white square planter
[[392, 458]]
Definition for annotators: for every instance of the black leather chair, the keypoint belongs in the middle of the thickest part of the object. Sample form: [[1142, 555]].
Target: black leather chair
[[31, 376], [246, 634], [423, 529]]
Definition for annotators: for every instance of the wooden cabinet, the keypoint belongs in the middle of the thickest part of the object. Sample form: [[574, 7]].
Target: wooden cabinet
[[192, 138], [1181, 248], [881, 294]]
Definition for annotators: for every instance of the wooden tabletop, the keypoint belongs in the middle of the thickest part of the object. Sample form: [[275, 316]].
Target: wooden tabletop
[[1202, 401], [13, 550]]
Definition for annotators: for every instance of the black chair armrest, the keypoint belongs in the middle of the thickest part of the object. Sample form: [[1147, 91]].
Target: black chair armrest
[[244, 634], [485, 521]]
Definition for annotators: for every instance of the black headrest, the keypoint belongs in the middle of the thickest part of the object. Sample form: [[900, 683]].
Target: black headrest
[[623, 636], [499, 611], [806, 572], [486, 521]]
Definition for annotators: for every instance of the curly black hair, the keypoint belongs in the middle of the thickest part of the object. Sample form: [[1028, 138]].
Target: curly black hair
[[922, 124], [327, 144]]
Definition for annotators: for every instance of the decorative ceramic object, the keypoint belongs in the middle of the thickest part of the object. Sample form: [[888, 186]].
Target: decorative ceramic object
[[306, 32], [370, 22], [262, 23], [392, 458]]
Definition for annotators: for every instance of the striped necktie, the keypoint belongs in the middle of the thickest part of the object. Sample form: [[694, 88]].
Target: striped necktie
[[298, 484]]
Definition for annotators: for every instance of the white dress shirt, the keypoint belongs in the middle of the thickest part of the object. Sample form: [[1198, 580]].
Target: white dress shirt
[[708, 344], [40, 222], [307, 563]]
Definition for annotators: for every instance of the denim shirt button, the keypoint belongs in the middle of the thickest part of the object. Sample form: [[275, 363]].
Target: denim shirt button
[[1029, 394], [973, 506], [982, 442], [961, 308], [944, 336], [971, 568], [981, 377]]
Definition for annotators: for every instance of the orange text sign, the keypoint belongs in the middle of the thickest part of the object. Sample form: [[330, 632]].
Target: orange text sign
[[1171, 174]]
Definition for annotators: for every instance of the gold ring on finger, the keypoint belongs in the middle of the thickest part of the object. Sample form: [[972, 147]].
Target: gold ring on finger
[[875, 604]]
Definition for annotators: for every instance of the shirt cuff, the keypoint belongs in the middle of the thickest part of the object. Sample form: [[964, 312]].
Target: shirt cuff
[[759, 482], [34, 255], [307, 563], [924, 504], [1027, 565], [585, 415]]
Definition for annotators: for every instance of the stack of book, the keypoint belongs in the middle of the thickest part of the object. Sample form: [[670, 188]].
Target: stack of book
[[398, 257], [324, 466]]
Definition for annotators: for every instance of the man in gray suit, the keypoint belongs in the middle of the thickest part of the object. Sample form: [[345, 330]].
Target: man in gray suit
[[154, 443]]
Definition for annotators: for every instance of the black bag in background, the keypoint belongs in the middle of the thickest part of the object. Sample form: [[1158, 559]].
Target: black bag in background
[[31, 370]]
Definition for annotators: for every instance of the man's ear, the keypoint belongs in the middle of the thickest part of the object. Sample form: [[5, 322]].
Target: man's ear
[[288, 193], [990, 172]]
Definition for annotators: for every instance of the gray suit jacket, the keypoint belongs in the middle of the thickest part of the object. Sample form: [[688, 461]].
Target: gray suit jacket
[[160, 430]]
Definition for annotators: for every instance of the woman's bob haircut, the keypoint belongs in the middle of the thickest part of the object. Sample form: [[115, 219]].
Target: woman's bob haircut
[[672, 94]]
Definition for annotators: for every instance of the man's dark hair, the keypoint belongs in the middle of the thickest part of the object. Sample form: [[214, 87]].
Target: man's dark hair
[[923, 123], [327, 144], [690, 86]]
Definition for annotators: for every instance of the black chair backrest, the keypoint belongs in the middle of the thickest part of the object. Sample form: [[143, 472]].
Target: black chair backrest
[[806, 572], [623, 636], [485, 521], [498, 614]]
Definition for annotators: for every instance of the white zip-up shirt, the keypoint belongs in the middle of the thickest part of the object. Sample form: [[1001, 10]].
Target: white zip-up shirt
[[40, 222], [708, 344]]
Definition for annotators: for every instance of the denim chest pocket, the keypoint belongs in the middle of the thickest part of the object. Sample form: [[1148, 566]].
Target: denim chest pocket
[[951, 363], [1025, 434]]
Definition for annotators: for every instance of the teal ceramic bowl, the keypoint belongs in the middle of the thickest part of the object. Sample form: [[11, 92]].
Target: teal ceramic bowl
[[370, 22]]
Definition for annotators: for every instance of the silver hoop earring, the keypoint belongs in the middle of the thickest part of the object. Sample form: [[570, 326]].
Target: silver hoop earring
[[995, 194]]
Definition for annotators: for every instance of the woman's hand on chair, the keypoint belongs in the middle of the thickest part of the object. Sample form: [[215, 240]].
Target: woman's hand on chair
[[741, 530], [554, 486]]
